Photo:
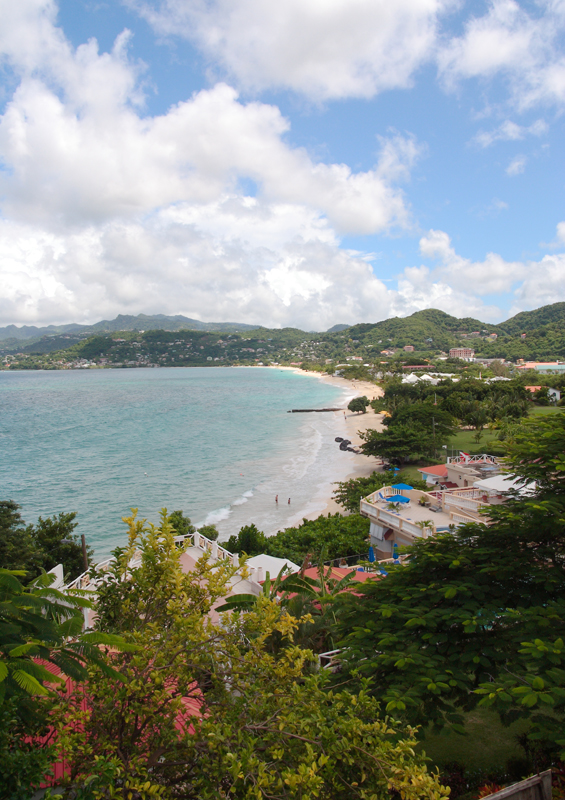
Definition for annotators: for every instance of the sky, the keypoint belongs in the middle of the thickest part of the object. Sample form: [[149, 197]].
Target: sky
[[293, 163]]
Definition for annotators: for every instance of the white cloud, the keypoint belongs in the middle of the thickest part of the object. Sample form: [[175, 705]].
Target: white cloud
[[524, 48], [343, 48], [517, 165], [510, 131], [106, 210], [561, 232], [545, 283], [418, 290], [358, 48], [494, 275]]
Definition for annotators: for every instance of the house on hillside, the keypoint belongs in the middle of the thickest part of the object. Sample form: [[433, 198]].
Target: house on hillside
[[465, 353], [460, 492], [434, 475]]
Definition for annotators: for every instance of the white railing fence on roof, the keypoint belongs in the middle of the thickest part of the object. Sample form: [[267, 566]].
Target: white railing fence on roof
[[216, 551], [484, 458]]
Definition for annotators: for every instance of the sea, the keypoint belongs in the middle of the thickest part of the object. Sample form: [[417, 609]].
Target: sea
[[216, 443]]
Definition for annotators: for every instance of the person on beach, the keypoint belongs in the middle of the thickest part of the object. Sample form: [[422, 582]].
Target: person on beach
[[289, 500], [277, 499]]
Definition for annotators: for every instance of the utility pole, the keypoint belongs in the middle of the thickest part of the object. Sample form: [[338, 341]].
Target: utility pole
[[84, 553]]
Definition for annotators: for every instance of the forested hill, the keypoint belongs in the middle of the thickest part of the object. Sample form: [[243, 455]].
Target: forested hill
[[175, 341], [531, 320], [123, 322], [430, 329], [433, 330]]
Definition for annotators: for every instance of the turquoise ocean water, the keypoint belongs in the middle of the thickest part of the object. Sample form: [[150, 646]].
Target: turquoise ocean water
[[217, 443]]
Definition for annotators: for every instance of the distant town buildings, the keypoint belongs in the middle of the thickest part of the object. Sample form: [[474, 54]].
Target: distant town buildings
[[551, 367], [466, 353], [409, 348]]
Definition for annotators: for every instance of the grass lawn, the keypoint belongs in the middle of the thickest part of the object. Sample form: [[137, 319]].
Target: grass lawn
[[536, 410], [412, 473], [465, 440], [488, 744]]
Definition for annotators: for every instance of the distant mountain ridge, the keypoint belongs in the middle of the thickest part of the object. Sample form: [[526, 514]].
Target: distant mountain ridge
[[430, 323], [123, 322]]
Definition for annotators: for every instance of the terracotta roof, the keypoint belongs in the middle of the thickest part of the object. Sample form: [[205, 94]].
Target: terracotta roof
[[440, 470], [339, 573]]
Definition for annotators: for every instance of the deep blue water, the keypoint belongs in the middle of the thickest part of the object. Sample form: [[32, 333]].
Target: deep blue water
[[217, 443]]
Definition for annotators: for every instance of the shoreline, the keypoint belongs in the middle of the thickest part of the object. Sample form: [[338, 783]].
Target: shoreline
[[349, 424]]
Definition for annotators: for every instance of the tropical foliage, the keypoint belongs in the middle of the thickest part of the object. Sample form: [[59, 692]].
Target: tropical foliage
[[34, 548], [322, 539], [39, 628], [477, 614], [209, 711], [359, 404]]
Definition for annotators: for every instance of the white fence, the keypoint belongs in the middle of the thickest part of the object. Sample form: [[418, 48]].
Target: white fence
[[85, 582]]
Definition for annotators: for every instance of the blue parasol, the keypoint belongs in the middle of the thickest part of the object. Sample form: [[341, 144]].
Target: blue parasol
[[402, 486], [371, 554], [398, 498]]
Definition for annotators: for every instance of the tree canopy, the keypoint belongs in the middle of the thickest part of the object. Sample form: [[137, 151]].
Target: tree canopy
[[34, 548], [477, 614], [359, 404]]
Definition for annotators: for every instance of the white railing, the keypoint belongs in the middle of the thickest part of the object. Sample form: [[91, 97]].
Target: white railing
[[329, 660], [484, 458], [84, 581], [392, 520], [469, 492], [463, 502], [460, 518]]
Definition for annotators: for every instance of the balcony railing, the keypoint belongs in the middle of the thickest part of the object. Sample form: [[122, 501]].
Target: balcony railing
[[391, 519], [216, 551]]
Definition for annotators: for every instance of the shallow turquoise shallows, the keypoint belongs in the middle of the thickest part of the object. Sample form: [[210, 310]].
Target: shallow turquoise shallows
[[217, 443]]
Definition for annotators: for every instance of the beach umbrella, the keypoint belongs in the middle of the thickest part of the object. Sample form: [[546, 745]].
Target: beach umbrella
[[395, 552], [398, 498], [371, 554], [401, 486]]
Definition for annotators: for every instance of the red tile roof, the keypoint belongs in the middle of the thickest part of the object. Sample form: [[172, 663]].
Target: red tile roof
[[440, 470]]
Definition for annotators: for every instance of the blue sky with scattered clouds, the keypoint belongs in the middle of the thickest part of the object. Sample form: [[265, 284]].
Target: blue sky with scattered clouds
[[304, 162]]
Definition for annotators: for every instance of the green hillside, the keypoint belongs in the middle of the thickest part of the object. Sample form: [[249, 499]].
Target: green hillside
[[174, 341], [532, 320]]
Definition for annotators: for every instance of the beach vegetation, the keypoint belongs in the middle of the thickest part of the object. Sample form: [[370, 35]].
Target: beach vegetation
[[399, 444], [476, 617], [250, 540], [359, 404], [205, 710], [209, 531], [322, 540], [181, 523]]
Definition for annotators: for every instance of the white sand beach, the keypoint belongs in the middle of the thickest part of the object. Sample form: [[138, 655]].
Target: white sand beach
[[348, 425]]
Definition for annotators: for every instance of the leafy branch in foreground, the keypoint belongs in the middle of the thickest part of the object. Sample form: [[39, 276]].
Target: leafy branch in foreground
[[204, 709], [39, 627]]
